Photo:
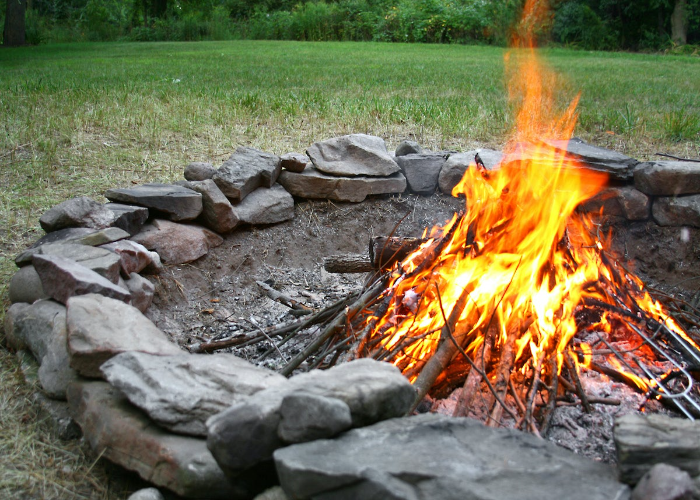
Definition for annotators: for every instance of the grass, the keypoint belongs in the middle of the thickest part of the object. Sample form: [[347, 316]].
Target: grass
[[77, 119]]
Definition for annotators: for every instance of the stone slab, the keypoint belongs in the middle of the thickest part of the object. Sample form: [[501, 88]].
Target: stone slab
[[76, 235], [76, 212], [667, 178], [245, 171], [217, 213], [680, 211], [454, 167], [421, 171], [353, 155], [179, 203], [265, 206], [129, 218], [177, 243]]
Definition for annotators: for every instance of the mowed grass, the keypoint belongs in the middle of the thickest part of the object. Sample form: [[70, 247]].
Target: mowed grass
[[77, 119]]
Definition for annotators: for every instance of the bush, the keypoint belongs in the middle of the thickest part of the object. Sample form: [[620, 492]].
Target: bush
[[578, 25]]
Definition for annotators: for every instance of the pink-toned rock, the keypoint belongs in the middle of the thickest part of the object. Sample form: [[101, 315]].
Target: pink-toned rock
[[133, 257], [100, 327], [124, 435], [141, 291], [177, 243], [62, 278]]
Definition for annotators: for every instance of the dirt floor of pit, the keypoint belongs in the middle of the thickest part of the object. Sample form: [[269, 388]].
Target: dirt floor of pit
[[217, 296]]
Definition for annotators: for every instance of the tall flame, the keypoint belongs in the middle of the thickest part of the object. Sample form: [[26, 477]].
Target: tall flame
[[520, 259]]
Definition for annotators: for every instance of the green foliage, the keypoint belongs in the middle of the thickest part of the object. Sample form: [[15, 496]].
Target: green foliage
[[681, 125], [576, 24]]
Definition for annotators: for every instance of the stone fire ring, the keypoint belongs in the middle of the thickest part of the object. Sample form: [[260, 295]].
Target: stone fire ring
[[225, 428]]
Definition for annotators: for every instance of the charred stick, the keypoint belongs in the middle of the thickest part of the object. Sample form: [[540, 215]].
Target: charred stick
[[571, 368], [385, 250], [473, 382], [534, 388], [598, 401], [285, 299], [552, 398], [330, 329]]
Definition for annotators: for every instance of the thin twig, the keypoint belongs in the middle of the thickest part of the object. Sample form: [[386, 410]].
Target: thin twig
[[676, 157]]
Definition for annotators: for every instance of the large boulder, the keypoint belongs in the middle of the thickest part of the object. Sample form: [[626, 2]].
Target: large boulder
[[100, 328], [124, 435], [182, 391], [77, 212], [248, 432], [41, 328], [315, 185], [62, 278], [246, 170], [177, 243], [667, 178], [179, 203], [434, 457], [353, 155], [266, 206], [421, 171]]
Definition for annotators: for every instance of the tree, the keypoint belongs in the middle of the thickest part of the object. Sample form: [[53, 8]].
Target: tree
[[679, 22], [14, 33]]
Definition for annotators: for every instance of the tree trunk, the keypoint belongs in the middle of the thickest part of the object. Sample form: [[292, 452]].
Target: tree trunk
[[679, 22], [14, 33]]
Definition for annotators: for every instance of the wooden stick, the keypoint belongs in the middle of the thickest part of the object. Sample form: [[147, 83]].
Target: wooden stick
[[552, 396], [571, 368], [284, 299], [351, 263], [473, 382]]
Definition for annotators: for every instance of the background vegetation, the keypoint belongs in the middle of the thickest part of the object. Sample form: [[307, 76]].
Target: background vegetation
[[587, 24]]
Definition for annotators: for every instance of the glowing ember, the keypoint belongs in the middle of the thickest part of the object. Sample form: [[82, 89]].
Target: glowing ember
[[512, 272]]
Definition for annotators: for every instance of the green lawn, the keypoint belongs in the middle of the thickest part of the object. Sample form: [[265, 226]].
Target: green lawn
[[79, 118]]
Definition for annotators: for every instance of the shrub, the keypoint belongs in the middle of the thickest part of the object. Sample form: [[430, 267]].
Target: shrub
[[578, 25]]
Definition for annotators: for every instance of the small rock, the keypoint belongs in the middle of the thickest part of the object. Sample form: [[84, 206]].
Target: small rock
[[668, 178], [246, 170], [147, 494], [313, 184], [199, 171], [408, 148], [177, 243], [217, 214], [25, 286], [353, 155], [664, 482], [182, 391], [294, 162], [680, 211], [76, 212], [623, 201], [266, 206], [100, 328], [130, 218], [141, 291], [274, 493], [179, 203], [133, 257], [453, 169], [124, 435], [421, 171], [307, 417], [62, 278]]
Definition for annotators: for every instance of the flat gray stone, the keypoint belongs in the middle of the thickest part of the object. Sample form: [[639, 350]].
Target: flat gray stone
[[617, 165], [408, 148], [179, 203], [77, 212], [76, 235], [667, 178], [645, 440], [421, 171], [41, 328], [453, 169], [62, 278], [247, 433], [315, 185], [664, 482], [133, 257], [182, 391], [130, 218], [100, 328], [101, 260], [124, 435], [245, 171], [217, 214], [294, 162], [353, 155], [25, 286], [266, 206], [177, 243], [199, 171], [623, 201], [434, 457], [141, 291], [681, 211]]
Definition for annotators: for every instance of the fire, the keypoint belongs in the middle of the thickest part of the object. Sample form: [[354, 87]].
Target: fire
[[514, 268]]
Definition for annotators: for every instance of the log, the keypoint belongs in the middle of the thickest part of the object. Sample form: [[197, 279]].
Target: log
[[383, 252]]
